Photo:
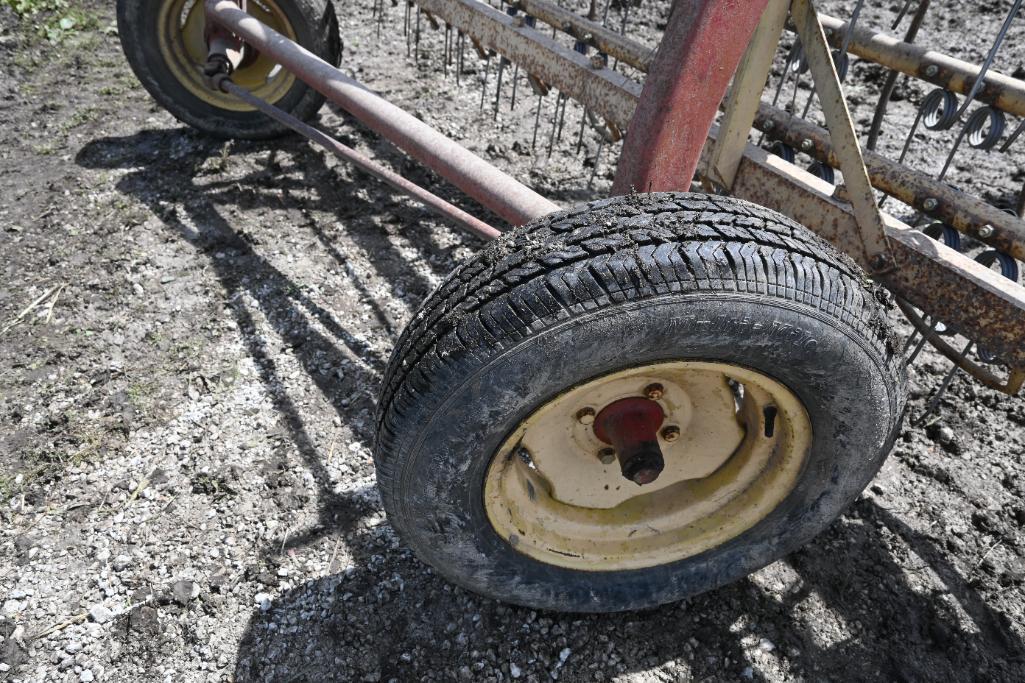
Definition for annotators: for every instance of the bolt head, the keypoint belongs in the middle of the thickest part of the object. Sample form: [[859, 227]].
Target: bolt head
[[607, 456], [986, 231], [518, 21], [597, 61], [930, 204], [671, 433], [585, 416], [654, 391], [932, 70], [807, 144]]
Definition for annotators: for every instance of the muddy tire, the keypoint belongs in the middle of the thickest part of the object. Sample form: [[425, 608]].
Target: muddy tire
[[619, 289], [163, 42]]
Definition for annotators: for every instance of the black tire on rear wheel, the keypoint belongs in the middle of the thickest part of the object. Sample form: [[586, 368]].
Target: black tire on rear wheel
[[140, 22], [607, 286]]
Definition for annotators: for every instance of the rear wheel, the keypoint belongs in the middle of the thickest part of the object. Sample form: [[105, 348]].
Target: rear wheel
[[635, 401], [165, 46]]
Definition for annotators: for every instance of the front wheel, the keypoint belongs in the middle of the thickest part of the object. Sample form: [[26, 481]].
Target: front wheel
[[165, 46], [635, 401]]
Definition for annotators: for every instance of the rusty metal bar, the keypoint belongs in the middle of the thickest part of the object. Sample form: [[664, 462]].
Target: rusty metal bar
[[935, 199], [947, 285], [1000, 91], [429, 199], [846, 146], [494, 189], [700, 49], [540, 56], [746, 94], [605, 39]]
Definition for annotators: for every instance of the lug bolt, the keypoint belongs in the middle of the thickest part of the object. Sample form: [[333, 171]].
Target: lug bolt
[[671, 433], [654, 391], [607, 456], [932, 70], [930, 204], [986, 231], [585, 416]]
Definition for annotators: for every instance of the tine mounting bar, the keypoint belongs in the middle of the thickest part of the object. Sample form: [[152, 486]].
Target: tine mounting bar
[[496, 190]]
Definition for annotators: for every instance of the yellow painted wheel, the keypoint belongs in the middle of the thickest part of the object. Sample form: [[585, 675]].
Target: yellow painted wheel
[[734, 442], [183, 48], [165, 45]]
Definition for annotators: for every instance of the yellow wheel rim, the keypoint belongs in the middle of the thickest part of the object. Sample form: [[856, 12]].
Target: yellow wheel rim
[[742, 439], [180, 37]]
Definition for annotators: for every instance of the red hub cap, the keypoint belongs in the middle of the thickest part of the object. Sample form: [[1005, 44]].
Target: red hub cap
[[631, 426]]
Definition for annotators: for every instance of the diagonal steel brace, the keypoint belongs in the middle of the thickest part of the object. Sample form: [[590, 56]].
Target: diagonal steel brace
[[745, 96]]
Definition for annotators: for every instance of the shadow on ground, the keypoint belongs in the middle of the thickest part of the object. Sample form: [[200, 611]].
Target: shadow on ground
[[849, 606]]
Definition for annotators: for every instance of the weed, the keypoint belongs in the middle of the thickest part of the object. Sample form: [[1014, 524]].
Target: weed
[[54, 20]]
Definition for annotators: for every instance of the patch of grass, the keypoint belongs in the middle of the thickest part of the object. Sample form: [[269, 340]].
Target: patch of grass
[[54, 20]]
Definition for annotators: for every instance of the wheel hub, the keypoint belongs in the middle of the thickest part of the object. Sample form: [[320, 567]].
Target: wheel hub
[[631, 425]]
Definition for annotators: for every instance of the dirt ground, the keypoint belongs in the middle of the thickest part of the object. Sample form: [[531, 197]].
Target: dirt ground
[[186, 484]]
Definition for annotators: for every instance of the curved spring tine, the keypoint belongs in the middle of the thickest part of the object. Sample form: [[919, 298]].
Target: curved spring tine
[[980, 79]]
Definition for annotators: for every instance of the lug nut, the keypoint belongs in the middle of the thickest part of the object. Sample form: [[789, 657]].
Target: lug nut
[[654, 391], [986, 231], [585, 416], [930, 204], [607, 456], [932, 70], [671, 433]]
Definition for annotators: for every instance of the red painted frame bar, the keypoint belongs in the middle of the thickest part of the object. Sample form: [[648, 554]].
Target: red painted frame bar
[[701, 48]]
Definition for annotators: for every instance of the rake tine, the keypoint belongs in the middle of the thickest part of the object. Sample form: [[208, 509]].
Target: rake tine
[[416, 49], [484, 83], [537, 121], [900, 15], [516, 80], [935, 400], [498, 86], [597, 162], [459, 60], [562, 118], [555, 124]]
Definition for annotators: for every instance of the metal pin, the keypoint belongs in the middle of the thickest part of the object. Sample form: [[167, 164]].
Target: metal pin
[[562, 118]]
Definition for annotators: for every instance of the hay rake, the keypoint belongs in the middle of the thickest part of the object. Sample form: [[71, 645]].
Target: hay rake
[[642, 398]]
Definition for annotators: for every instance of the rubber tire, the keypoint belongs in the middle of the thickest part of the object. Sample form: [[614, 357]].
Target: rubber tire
[[614, 284], [316, 29]]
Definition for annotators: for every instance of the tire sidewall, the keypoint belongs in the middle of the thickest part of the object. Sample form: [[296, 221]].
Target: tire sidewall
[[138, 29], [836, 375]]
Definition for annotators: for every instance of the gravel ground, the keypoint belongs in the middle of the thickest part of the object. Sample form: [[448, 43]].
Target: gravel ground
[[186, 485]]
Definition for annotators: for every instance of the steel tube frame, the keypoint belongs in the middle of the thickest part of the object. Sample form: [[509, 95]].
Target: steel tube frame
[[494, 189], [700, 49]]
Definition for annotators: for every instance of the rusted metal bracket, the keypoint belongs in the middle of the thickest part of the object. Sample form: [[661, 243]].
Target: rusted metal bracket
[[744, 97], [859, 190]]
